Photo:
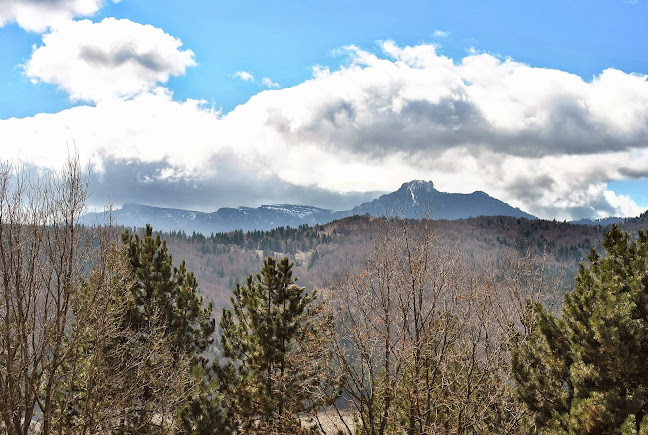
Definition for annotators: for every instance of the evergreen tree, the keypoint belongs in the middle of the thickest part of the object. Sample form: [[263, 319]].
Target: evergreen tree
[[585, 372], [170, 294], [170, 291], [275, 338], [117, 379]]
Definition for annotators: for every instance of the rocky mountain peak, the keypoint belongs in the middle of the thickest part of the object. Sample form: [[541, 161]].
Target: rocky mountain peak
[[418, 185]]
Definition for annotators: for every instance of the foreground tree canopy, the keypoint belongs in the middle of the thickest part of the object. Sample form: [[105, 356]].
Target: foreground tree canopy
[[585, 371], [42, 256], [95, 337], [276, 339], [171, 292], [98, 336], [168, 295]]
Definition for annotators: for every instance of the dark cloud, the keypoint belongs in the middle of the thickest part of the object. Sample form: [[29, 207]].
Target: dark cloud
[[124, 181], [531, 188], [339, 114], [635, 173], [594, 210], [126, 53], [421, 125], [379, 131]]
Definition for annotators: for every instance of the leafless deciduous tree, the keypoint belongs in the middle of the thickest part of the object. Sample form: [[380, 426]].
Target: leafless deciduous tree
[[423, 334], [67, 363], [42, 255], [118, 380]]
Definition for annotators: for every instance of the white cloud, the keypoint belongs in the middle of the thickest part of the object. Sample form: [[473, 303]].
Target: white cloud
[[111, 59], [268, 83], [249, 77], [441, 34], [543, 140], [39, 15], [623, 204], [150, 127], [244, 75]]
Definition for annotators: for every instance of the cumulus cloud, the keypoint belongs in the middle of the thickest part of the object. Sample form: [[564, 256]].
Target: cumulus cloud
[[249, 77], [481, 102], [543, 140], [244, 75], [111, 59], [622, 203], [150, 127], [441, 34], [39, 15], [268, 83]]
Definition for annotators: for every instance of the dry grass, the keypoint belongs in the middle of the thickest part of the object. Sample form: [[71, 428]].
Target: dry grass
[[330, 422]]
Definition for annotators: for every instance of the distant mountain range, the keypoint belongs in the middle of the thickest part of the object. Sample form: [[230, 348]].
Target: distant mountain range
[[416, 199], [225, 219]]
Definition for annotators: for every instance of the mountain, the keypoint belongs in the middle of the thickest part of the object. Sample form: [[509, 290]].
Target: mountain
[[413, 200], [225, 219], [417, 199]]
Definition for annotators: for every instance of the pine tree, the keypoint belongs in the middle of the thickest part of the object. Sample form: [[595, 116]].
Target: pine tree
[[171, 291], [274, 338], [170, 294], [117, 379], [585, 371]]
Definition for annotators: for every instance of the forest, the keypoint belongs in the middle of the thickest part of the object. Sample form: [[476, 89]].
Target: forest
[[485, 325]]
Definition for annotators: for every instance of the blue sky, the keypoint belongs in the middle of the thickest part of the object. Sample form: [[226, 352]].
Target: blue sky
[[573, 146]]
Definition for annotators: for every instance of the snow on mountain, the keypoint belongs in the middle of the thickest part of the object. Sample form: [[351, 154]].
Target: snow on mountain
[[225, 219], [416, 199]]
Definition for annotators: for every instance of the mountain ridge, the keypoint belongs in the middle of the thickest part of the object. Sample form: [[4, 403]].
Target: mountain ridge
[[418, 199], [415, 199]]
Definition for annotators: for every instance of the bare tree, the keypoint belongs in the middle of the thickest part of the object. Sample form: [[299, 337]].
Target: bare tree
[[68, 361], [385, 314], [42, 255], [423, 334], [118, 380]]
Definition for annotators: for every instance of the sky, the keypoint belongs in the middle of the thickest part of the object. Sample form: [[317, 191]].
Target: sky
[[207, 104]]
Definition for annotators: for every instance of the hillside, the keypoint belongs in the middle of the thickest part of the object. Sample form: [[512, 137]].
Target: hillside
[[321, 253]]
